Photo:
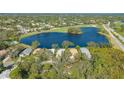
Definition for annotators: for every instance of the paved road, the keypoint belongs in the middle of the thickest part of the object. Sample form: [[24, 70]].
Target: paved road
[[117, 34], [108, 29]]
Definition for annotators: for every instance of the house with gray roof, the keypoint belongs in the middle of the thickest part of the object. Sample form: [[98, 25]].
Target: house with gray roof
[[25, 52], [86, 52], [8, 62]]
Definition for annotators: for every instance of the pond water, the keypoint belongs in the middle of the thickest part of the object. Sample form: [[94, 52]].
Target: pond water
[[90, 34]]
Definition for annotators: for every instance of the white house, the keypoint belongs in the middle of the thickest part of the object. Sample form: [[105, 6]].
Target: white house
[[59, 52], [86, 52]]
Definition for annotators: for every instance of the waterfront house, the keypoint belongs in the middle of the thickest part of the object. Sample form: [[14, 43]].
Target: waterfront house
[[25, 52], [73, 52], [37, 51], [16, 52], [86, 52], [59, 52]]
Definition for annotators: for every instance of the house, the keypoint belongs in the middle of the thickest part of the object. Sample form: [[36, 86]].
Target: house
[[59, 52], [37, 51], [26, 52], [73, 52], [7, 62], [52, 50], [16, 52], [86, 52]]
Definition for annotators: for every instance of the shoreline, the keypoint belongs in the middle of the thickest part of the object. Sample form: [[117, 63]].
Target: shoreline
[[58, 29], [50, 31]]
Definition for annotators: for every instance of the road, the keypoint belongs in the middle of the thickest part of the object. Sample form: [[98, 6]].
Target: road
[[116, 34], [116, 41]]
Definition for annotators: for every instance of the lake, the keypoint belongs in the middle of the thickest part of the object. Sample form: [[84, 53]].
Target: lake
[[90, 34]]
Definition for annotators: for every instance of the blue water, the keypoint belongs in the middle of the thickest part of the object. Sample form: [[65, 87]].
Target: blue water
[[90, 34]]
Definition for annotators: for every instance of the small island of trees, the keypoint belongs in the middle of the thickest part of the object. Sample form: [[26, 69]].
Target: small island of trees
[[74, 30]]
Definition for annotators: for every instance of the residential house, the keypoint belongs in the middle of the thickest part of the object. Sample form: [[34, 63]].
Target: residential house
[[37, 51], [86, 52], [59, 52], [73, 52], [7, 62], [26, 52]]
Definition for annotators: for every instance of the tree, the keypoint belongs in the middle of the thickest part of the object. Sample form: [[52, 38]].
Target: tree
[[35, 68], [92, 44], [35, 71], [66, 44], [16, 73], [4, 45], [74, 30], [35, 44]]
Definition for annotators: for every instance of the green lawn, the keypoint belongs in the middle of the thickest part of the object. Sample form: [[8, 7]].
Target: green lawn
[[29, 34], [65, 29], [58, 29], [118, 25]]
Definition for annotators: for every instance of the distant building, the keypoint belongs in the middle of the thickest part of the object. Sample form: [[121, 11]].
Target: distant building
[[26, 52]]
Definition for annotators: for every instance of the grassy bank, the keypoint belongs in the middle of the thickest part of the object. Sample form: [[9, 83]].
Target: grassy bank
[[111, 40], [57, 29], [65, 29], [29, 34]]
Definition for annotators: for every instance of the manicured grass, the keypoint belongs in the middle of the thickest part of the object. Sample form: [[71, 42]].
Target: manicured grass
[[65, 29], [61, 29], [58, 29], [29, 34], [121, 33], [111, 40], [118, 24]]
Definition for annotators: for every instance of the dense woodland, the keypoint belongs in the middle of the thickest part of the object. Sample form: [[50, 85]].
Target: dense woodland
[[105, 63]]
